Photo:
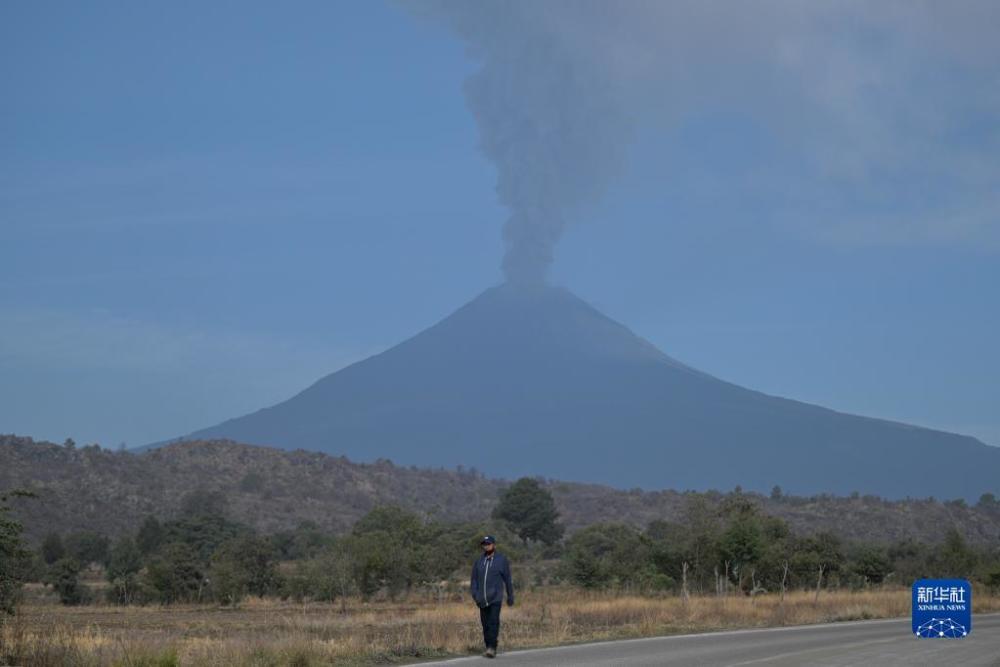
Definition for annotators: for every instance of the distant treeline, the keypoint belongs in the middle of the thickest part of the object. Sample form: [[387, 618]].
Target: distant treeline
[[204, 555], [112, 492]]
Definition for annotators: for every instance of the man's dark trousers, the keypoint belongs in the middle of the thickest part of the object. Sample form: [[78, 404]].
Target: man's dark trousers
[[490, 617]]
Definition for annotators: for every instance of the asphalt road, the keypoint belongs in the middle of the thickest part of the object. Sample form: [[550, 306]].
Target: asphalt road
[[885, 642]]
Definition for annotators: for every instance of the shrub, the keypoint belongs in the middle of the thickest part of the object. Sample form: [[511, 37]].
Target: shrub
[[64, 577], [175, 574], [14, 558], [242, 566]]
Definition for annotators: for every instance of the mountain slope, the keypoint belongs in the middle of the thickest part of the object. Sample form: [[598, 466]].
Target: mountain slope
[[535, 381]]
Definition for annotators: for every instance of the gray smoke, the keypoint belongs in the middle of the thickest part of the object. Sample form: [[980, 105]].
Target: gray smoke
[[549, 116], [858, 96]]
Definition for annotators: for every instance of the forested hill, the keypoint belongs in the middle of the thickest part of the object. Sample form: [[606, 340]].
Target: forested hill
[[89, 488]]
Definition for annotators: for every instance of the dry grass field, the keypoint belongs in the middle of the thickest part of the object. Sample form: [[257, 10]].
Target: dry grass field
[[271, 632]]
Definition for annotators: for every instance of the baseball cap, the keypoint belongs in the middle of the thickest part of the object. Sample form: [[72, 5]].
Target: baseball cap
[[488, 539]]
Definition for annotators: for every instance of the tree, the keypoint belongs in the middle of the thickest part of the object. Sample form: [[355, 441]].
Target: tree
[[607, 554], [992, 578], [64, 577], [52, 548], [327, 577], [377, 561], [393, 520], [872, 563], [150, 536], [955, 558], [229, 581], [14, 557], [816, 556], [700, 539], [175, 574], [244, 565], [87, 547], [124, 563], [741, 548], [531, 511], [203, 502], [305, 541], [203, 533], [376, 564], [909, 559]]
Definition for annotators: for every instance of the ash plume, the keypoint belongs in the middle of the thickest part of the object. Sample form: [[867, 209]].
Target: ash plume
[[548, 114], [857, 99]]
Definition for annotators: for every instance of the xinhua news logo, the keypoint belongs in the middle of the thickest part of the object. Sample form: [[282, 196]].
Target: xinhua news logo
[[942, 608]]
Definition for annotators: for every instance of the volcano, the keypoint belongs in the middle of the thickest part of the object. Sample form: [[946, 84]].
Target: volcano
[[534, 381]]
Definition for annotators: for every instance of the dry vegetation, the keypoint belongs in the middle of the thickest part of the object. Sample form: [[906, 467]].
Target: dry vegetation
[[269, 632], [89, 488]]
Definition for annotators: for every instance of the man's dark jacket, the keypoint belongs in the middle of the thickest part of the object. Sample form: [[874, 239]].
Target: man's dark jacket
[[489, 580]]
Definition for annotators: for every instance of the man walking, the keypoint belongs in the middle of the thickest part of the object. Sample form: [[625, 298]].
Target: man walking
[[490, 576]]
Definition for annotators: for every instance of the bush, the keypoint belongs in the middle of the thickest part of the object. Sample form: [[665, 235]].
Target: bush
[[175, 575], [64, 577], [872, 564], [326, 578], [608, 554], [244, 566]]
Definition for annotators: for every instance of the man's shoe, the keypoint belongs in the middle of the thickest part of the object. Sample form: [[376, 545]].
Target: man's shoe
[[491, 653]]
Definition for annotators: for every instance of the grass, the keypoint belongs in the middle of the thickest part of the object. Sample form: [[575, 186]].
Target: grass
[[269, 632]]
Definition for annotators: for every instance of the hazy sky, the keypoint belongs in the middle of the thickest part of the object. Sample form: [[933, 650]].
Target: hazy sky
[[204, 207]]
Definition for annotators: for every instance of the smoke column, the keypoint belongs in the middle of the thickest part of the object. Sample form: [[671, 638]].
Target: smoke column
[[856, 99], [548, 116]]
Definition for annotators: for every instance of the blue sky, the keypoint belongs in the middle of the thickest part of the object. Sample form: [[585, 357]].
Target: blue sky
[[203, 209]]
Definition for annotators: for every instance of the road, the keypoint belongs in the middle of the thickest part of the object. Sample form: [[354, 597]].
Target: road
[[883, 643]]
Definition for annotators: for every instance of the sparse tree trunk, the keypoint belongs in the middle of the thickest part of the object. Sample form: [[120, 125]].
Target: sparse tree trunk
[[754, 586], [718, 582], [819, 581], [343, 594], [684, 581], [784, 578]]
